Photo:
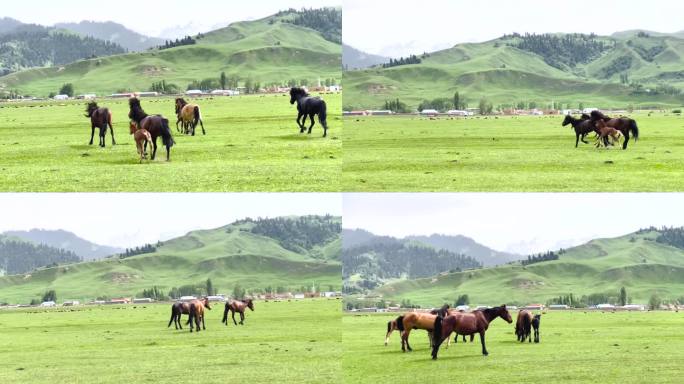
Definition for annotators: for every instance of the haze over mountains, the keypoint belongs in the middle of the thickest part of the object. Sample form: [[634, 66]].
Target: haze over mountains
[[66, 240]]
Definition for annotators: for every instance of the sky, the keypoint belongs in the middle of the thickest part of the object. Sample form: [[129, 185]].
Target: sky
[[396, 28], [522, 223], [153, 17], [123, 220]]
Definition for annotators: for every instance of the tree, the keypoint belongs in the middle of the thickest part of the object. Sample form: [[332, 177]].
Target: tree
[[457, 100], [67, 89], [238, 292], [461, 300], [223, 80], [50, 295], [623, 296], [210, 288], [486, 107], [654, 302]]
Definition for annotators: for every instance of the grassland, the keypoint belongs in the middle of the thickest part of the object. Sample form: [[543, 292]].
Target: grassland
[[575, 347], [228, 255], [252, 144], [383, 154], [280, 342], [602, 266]]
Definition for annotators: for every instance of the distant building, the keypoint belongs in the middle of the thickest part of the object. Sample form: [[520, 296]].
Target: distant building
[[559, 306], [589, 110], [61, 97], [220, 298], [194, 92], [634, 307], [380, 113], [87, 96], [605, 306], [224, 92], [333, 88], [187, 298], [463, 308], [534, 307], [121, 95], [143, 300], [299, 296], [48, 304], [429, 112], [71, 303], [147, 94], [355, 113], [456, 112]]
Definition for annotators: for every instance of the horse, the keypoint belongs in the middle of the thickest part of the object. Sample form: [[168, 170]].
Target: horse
[[178, 309], [100, 118], [142, 137], [456, 312], [189, 115], [623, 124], [524, 324], [237, 306], [606, 132], [467, 324], [309, 106], [392, 324], [582, 126], [414, 320], [197, 312], [156, 125]]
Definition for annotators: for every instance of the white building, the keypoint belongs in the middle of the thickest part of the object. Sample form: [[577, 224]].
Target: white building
[[187, 298], [61, 97], [194, 92], [299, 296], [634, 307], [71, 303], [148, 94], [605, 306], [220, 298], [142, 300], [429, 112], [48, 304], [457, 112], [589, 110], [87, 96], [224, 92]]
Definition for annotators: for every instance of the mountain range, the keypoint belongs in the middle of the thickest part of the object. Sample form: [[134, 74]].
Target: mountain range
[[114, 33], [353, 58], [62, 239]]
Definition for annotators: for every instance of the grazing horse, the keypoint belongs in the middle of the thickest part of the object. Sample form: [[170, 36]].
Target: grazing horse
[[582, 127], [524, 324], [605, 132], [142, 137], [392, 325], [414, 320], [100, 118], [237, 306], [467, 324], [623, 124], [197, 312], [309, 106], [156, 125], [189, 115], [178, 309]]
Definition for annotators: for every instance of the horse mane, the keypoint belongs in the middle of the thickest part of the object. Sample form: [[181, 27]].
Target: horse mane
[[298, 91], [598, 115], [91, 107], [137, 114], [585, 117]]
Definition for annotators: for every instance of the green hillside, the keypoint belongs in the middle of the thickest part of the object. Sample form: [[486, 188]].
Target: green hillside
[[636, 261], [635, 69], [229, 255], [268, 51]]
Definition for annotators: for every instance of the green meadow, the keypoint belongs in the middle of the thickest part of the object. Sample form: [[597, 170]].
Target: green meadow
[[288, 342], [575, 347], [411, 153], [252, 144]]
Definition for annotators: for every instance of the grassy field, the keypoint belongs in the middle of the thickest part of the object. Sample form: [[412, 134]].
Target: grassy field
[[575, 347], [252, 144], [288, 342], [506, 154]]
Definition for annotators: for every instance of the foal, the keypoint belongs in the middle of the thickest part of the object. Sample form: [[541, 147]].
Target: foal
[[142, 137], [605, 132]]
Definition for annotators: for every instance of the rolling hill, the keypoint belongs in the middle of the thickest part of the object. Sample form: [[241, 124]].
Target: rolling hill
[[66, 240], [467, 246], [353, 58], [114, 33], [240, 253], [634, 69], [273, 50], [645, 262]]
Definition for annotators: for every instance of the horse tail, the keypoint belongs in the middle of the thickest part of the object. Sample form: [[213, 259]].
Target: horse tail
[[527, 326], [323, 115], [633, 127], [109, 119], [437, 332], [400, 323], [197, 117], [173, 316], [166, 133], [389, 326]]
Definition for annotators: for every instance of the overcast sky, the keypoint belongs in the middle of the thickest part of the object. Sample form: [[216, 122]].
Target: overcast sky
[[132, 219], [395, 28], [153, 17], [523, 223]]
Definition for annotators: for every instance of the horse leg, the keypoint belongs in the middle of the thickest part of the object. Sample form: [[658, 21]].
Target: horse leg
[[299, 124], [154, 150], [202, 124], [234, 322], [92, 133], [242, 318], [203, 325], [408, 346], [313, 122], [103, 133], [626, 134], [577, 135], [482, 340]]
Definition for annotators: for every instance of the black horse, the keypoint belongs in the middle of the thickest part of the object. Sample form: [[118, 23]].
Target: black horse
[[157, 126], [582, 126], [100, 118], [623, 124], [308, 105]]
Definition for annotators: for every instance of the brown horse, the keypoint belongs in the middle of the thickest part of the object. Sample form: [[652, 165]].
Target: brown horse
[[524, 324], [100, 118], [582, 127], [467, 324], [414, 320], [189, 115], [392, 326], [197, 312], [156, 125], [178, 309], [623, 124], [456, 312], [605, 133], [142, 137], [237, 306]]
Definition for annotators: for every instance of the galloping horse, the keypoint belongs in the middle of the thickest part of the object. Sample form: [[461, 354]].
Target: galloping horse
[[467, 324], [524, 324], [582, 127], [237, 306], [189, 115], [197, 312], [156, 125], [178, 309], [605, 132], [100, 118], [142, 137], [309, 106], [623, 124]]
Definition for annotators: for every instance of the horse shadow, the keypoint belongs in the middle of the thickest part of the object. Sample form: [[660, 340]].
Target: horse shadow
[[294, 137]]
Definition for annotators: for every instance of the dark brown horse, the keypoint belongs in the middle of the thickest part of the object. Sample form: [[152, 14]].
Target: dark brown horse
[[467, 324], [197, 312], [623, 124], [99, 118], [156, 125], [310, 106], [524, 324], [178, 309], [238, 306], [582, 126], [189, 115]]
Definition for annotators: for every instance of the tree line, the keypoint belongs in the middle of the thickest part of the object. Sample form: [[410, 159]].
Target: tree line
[[412, 59], [540, 257], [187, 40], [18, 257], [327, 21], [299, 234], [563, 51], [140, 250]]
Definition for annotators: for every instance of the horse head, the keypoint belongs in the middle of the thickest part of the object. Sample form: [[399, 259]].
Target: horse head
[[133, 127], [503, 313], [568, 120], [250, 304], [205, 302], [180, 103], [296, 93], [137, 113], [90, 108]]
